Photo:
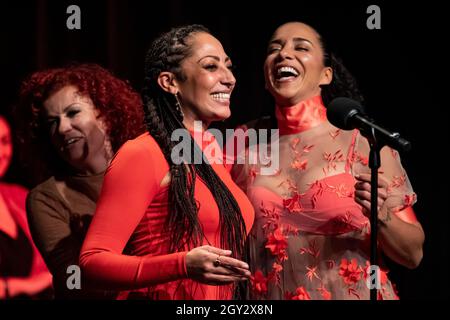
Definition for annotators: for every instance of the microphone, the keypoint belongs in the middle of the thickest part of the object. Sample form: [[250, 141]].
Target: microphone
[[347, 114]]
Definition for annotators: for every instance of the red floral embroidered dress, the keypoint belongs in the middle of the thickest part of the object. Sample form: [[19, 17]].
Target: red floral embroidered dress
[[310, 239]]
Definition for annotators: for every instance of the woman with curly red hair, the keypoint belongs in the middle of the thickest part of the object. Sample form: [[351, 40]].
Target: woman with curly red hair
[[73, 121]]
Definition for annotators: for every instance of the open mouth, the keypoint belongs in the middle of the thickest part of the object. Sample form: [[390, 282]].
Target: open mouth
[[221, 96], [70, 141], [286, 73]]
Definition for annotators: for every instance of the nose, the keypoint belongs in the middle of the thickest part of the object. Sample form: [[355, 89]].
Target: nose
[[64, 125], [228, 79], [285, 53]]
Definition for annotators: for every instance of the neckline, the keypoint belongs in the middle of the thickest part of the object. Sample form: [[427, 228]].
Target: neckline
[[203, 138], [83, 177], [312, 185], [303, 116]]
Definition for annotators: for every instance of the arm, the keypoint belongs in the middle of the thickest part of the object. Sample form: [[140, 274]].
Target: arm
[[28, 286], [59, 246], [400, 235], [130, 184], [39, 278], [402, 241]]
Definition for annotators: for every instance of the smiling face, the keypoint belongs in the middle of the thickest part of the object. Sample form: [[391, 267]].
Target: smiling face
[[5, 146], [208, 82], [76, 132], [294, 68]]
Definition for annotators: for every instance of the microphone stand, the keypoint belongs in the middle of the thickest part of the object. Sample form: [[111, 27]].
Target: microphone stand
[[374, 165], [348, 114], [369, 131]]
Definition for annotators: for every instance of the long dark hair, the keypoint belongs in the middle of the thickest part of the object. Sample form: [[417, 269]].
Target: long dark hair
[[166, 53]]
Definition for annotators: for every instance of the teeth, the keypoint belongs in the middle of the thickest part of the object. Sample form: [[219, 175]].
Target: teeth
[[287, 69], [221, 96], [72, 140]]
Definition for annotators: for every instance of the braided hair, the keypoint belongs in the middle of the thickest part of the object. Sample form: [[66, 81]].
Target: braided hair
[[162, 117]]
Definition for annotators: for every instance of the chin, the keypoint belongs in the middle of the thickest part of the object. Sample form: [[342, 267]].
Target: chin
[[284, 100], [2, 172], [288, 93], [74, 157], [222, 114]]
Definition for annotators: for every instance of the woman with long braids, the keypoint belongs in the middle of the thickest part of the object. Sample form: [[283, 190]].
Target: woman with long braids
[[311, 238], [163, 228]]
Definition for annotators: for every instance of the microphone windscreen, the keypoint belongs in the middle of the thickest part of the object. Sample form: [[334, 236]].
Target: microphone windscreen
[[341, 110]]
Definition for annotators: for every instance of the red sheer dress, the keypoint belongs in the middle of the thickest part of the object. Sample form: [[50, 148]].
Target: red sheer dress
[[310, 239]]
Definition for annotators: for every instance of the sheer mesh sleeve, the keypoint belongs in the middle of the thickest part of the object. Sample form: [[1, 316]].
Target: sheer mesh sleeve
[[391, 170]]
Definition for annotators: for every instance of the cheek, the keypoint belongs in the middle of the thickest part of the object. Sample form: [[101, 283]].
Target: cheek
[[5, 155], [97, 133], [89, 125], [308, 61], [199, 91], [6, 152], [267, 68], [101, 125], [268, 76], [9, 151], [314, 66], [208, 82]]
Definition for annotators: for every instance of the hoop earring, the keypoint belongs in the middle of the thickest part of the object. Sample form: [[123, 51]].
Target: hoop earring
[[178, 106]]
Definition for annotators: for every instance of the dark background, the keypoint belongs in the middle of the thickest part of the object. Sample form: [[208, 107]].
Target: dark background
[[399, 69]]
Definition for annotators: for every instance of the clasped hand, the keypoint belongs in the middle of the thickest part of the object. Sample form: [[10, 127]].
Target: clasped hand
[[214, 266]]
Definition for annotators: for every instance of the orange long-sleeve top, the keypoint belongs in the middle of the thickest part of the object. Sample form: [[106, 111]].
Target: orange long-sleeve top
[[126, 247]]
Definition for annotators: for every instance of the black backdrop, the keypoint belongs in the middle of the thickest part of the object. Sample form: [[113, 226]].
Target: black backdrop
[[399, 69]]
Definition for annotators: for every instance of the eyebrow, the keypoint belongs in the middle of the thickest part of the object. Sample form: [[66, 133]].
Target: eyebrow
[[64, 110], [214, 57], [296, 39]]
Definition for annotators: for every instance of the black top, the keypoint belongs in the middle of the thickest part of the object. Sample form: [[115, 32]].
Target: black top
[[16, 255]]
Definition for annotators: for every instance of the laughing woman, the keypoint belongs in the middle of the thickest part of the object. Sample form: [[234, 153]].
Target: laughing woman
[[73, 120], [163, 228], [311, 231]]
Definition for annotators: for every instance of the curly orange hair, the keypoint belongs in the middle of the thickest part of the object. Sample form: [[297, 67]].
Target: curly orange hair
[[119, 106]]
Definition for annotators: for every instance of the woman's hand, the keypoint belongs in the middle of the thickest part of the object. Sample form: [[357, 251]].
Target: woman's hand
[[362, 195], [401, 241], [215, 266]]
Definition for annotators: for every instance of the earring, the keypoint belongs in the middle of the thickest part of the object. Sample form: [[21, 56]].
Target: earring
[[178, 106]]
